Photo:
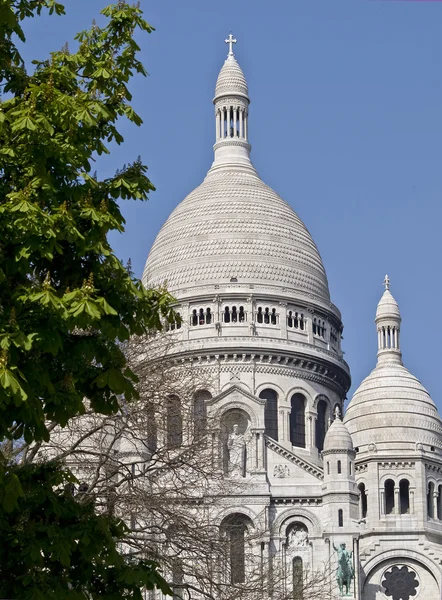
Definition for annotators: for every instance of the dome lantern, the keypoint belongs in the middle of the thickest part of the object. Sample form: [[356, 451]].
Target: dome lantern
[[231, 115], [388, 321]]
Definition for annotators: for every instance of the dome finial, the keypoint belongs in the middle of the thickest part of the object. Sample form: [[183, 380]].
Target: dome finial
[[386, 282], [230, 40], [338, 412]]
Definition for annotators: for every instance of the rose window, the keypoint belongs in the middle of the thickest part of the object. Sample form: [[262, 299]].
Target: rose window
[[400, 583]]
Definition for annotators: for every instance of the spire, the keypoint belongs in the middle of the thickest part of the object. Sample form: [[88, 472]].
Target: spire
[[232, 148], [388, 322]]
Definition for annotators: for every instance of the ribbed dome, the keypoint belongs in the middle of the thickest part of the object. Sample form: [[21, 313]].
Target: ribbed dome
[[233, 226], [338, 437], [231, 79], [387, 307], [391, 408]]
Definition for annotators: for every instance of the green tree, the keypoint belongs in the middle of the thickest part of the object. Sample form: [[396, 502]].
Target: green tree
[[66, 302]]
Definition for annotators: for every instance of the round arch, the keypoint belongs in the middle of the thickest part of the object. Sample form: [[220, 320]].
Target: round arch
[[297, 514], [428, 572], [238, 404], [236, 510]]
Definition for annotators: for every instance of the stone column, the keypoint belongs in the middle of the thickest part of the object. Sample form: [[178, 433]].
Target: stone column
[[217, 125], [222, 123], [245, 126], [283, 319], [235, 133], [435, 497], [397, 508], [241, 123], [411, 501], [382, 507]]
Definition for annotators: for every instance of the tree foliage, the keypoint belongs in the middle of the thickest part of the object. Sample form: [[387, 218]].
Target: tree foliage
[[66, 300], [67, 303], [54, 546]]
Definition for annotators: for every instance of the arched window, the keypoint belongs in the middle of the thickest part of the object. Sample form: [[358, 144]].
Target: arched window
[[234, 314], [226, 315], [194, 318], [200, 413], [266, 316], [151, 428], [270, 412], [297, 421], [439, 503], [290, 319], [234, 530], [339, 467], [430, 502], [340, 518], [389, 496], [362, 501], [328, 468], [241, 315], [174, 422], [259, 315], [298, 579], [404, 496], [321, 424], [273, 317]]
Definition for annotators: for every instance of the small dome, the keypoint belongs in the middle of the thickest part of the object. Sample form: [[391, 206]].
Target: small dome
[[231, 79], [387, 307], [392, 409], [338, 438]]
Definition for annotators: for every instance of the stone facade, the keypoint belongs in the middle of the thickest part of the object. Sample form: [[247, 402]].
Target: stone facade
[[257, 321]]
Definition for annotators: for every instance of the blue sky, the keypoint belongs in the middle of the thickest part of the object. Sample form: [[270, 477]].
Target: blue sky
[[345, 124]]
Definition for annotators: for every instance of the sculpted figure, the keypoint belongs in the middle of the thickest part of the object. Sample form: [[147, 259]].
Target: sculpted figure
[[298, 537], [345, 571], [236, 445]]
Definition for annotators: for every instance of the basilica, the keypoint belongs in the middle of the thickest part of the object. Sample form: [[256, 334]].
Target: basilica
[[358, 489]]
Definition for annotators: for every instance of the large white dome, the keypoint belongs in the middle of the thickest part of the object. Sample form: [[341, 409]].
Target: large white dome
[[234, 227]]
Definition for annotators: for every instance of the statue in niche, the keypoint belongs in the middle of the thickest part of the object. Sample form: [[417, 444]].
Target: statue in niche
[[236, 445], [297, 536]]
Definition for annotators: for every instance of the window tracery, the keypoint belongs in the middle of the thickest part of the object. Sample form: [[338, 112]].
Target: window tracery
[[234, 314], [400, 583], [295, 320], [201, 316], [267, 316]]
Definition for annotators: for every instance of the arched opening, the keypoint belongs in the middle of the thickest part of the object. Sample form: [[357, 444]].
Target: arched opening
[[194, 318], [362, 501], [259, 316], [234, 314], [226, 315], [404, 496], [270, 412], [234, 529], [208, 316], [241, 315], [298, 579], [340, 518], [339, 467], [389, 496], [439, 503], [430, 502], [297, 421], [174, 422], [321, 424], [200, 413], [266, 316], [328, 468], [151, 428]]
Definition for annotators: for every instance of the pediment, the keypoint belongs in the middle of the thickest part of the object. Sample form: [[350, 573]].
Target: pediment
[[290, 463], [233, 393]]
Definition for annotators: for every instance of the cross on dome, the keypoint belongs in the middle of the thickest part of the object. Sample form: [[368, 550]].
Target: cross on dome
[[230, 40], [386, 282]]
